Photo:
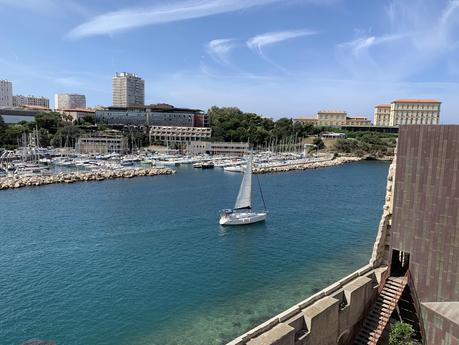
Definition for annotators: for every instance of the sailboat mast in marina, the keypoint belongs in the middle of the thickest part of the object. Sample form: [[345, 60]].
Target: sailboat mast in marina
[[242, 212]]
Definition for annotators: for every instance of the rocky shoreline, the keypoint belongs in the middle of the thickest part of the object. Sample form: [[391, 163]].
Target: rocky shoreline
[[304, 166], [29, 181]]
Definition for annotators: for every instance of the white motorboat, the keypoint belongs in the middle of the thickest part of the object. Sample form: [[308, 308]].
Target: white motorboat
[[242, 213]]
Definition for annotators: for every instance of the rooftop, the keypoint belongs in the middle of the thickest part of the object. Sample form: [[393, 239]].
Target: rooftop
[[416, 101], [383, 106]]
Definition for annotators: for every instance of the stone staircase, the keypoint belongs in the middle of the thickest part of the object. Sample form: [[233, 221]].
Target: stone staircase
[[379, 316]]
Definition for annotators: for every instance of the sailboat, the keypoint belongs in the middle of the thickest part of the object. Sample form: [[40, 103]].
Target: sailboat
[[242, 213]]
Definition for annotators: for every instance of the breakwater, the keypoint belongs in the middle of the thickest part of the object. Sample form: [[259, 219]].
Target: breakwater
[[305, 166], [72, 177]]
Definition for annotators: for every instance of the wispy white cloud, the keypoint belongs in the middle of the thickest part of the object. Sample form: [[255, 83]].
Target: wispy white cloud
[[219, 49], [259, 42], [419, 34], [362, 44], [129, 18]]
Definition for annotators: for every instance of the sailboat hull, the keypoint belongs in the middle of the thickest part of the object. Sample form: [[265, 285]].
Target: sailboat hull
[[242, 218]]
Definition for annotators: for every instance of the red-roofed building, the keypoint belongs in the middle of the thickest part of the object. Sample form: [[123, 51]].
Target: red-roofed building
[[408, 112]]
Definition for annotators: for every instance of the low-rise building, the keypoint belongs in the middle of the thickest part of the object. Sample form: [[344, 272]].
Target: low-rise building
[[358, 121], [16, 115], [102, 143], [382, 115], [408, 112], [415, 112], [331, 118], [218, 148], [179, 135], [153, 115], [20, 100]]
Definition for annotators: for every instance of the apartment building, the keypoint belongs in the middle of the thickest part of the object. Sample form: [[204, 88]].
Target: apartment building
[[128, 90], [22, 101], [6, 93]]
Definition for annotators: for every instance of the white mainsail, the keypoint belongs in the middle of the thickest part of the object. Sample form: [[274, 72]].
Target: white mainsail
[[244, 198]]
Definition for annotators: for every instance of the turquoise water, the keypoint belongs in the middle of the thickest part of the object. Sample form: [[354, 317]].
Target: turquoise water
[[143, 261]]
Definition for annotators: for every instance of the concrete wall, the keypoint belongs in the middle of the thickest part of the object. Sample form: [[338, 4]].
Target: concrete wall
[[330, 317]]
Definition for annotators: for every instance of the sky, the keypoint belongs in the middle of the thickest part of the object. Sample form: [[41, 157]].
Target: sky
[[278, 58]]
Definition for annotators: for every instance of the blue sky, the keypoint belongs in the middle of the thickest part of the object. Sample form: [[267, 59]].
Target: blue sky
[[274, 57]]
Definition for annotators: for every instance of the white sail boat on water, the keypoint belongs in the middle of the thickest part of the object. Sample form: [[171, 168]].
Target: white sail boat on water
[[242, 212]]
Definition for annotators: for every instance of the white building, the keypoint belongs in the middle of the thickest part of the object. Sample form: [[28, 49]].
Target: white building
[[414, 112], [217, 148], [20, 100], [6, 93], [69, 101], [128, 90]]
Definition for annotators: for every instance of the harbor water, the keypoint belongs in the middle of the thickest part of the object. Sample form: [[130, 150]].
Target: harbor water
[[144, 262]]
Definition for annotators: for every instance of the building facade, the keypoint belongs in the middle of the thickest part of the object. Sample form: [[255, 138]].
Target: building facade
[[414, 112], [69, 101], [218, 148], [179, 135], [331, 118], [382, 115], [153, 115], [77, 114], [128, 90], [6, 93], [16, 115], [20, 101], [102, 143], [358, 121]]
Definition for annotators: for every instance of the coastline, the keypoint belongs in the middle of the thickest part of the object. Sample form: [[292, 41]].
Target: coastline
[[35, 181]]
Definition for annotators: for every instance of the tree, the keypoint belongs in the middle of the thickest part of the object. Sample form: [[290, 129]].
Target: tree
[[49, 121], [401, 333], [319, 143], [2, 123]]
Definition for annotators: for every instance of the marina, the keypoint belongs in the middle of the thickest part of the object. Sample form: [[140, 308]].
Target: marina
[[143, 261]]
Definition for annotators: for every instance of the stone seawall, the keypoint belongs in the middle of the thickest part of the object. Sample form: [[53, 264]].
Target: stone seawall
[[305, 166], [29, 181]]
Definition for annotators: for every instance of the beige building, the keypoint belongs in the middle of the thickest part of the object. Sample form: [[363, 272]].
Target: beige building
[[20, 101], [181, 135], [128, 90], [102, 143], [217, 148], [414, 112], [6, 93], [382, 115], [69, 101], [331, 118]]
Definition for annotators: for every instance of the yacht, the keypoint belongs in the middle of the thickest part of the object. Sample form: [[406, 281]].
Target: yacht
[[242, 213]]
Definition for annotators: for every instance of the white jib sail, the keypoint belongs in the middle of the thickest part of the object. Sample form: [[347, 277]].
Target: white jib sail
[[244, 198]]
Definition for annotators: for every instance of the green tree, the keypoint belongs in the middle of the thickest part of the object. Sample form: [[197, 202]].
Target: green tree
[[319, 143], [50, 121], [401, 333]]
